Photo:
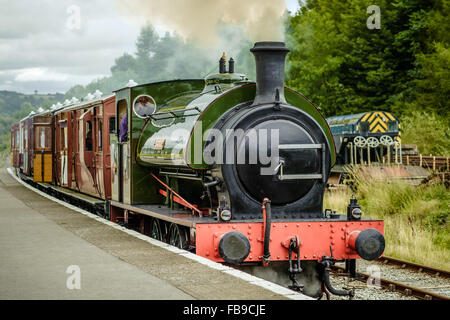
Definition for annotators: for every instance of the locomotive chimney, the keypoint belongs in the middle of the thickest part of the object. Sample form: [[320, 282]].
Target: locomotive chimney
[[270, 59], [231, 65], [222, 64]]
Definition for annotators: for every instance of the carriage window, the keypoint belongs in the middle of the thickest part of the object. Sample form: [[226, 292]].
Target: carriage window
[[100, 135], [61, 140], [42, 137], [26, 138], [88, 136], [48, 138], [63, 135], [112, 125]]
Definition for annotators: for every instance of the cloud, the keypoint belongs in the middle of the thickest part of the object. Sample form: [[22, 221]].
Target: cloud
[[39, 74], [39, 48], [42, 49]]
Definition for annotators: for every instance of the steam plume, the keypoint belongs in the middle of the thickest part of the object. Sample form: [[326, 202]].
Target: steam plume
[[199, 20]]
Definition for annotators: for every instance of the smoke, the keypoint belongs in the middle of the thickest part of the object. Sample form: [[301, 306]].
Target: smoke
[[201, 20]]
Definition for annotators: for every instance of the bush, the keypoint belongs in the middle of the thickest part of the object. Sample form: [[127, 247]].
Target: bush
[[428, 131]]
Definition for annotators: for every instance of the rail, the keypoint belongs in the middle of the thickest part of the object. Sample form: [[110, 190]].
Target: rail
[[415, 266], [402, 288]]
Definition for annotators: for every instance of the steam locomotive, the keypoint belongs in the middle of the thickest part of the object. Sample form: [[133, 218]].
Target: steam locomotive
[[230, 169]]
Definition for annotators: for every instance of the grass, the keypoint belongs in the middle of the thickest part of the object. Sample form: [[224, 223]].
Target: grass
[[416, 217]]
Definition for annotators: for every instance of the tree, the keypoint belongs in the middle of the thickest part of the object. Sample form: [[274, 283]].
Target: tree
[[76, 91], [124, 63], [24, 111], [432, 81], [343, 66], [145, 45]]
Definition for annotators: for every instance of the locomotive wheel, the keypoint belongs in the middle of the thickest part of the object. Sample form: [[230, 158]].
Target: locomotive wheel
[[373, 142], [155, 230], [360, 141], [178, 236], [386, 141]]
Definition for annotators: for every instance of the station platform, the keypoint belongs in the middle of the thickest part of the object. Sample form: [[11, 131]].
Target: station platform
[[45, 245]]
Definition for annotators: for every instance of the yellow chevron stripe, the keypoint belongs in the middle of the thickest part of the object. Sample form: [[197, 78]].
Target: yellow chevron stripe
[[385, 118], [378, 128], [384, 124], [366, 116], [378, 121], [372, 116], [389, 115], [381, 115]]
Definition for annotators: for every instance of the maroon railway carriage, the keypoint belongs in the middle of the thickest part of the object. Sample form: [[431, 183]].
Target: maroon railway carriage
[[27, 146], [15, 145], [82, 152], [42, 147], [32, 147]]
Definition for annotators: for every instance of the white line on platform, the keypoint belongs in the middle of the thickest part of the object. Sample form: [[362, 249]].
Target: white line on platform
[[214, 265]]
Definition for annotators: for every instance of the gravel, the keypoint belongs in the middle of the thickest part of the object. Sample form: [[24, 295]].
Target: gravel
[[410, 277]]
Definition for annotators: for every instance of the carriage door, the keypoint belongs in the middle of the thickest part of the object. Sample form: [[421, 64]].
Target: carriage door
[[120, 156], [86, 143], [64, 159], [25, 148], [115, 163], [98, 151], [21, 127], [42, 154]]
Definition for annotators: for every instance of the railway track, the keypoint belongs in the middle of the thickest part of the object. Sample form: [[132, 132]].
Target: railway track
[[415, 266], [418, 289]]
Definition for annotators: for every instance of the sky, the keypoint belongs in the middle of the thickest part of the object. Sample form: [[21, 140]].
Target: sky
[[52, 45]]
